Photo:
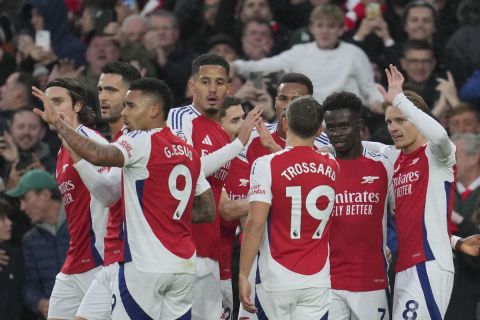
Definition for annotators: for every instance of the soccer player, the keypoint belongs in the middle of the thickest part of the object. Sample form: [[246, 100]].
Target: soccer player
[[112, 87], [358, 221], [295, 190], [198, 124], [423, 178], [236, 186], [290, 87], [86, 215], [156, 281]]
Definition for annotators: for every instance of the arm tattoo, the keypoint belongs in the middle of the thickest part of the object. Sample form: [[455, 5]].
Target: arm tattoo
[[92, 151], [203, 207]]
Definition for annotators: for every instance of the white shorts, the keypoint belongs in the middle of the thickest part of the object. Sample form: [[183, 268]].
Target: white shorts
[[68, 292], [97, 302], [365, 305], [422, 292], [227, 299], [208, 291], [242, 313], [146, 295], [303, 304]]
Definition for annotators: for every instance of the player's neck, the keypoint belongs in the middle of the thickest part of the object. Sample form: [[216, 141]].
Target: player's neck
[[115, 127], [420, 141], [350, 154], [296, 141]]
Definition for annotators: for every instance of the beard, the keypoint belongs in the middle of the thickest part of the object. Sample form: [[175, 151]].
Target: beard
[[211, 111]]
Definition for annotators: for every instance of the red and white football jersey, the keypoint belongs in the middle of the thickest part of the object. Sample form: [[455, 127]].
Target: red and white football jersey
[[254, 149], [236, 186], [206, 136], [299, 184], [114, 236], [424, 191], [161, 175], [358, 224], [86, 216]]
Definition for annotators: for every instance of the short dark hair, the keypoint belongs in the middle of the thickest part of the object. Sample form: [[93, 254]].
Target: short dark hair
[[229, 102], [299, 78], [6, 208], [210, 59], [305, 116], [128, 72], [77, 93], [158, 89], [419, 4], [343, 100], [416, 45], [26, 81], [258, 21], [26, 109]]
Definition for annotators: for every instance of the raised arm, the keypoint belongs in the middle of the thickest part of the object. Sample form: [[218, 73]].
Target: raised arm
[[93, 152], [433, 131], [215, 160]]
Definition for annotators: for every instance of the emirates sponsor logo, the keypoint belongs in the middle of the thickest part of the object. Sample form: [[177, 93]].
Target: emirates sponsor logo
[[402, 184]]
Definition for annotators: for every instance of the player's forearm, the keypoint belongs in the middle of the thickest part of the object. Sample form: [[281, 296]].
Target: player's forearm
[[215, 160], [233, 209], [105, 186], [94, 152], [203, 207], [433, 131], [252, 236]]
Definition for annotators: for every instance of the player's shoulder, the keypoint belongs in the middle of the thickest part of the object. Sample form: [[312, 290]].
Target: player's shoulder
[[180, 116], [90, 133]]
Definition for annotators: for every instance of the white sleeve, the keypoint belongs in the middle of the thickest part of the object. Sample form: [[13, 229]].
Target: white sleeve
[[261, 181], [365, 78], [276, 63], [105, 184], [215, 160], [440, 145], [202, 184], [134, 146]]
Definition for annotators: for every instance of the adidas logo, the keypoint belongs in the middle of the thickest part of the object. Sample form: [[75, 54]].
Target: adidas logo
[[207, 141]]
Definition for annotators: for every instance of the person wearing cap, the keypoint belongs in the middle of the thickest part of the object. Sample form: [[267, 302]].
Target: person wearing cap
[[45, 245]]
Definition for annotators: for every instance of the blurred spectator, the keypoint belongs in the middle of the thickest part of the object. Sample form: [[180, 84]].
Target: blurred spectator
[[466, 215], [51, 15], [172, 56], [46, 244], [331, 64], [16, 93], [27, 131], [257, 40], [462, 51], [93, 21], [241, 11], [464, 118], [223, 45], [134, 28], [100, 51], [11, 274], [418, 62], [469, 91]]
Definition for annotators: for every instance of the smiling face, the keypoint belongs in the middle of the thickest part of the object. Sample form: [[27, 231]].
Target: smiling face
[[404, 134], [420, 23], [27, 130], [209, 88], [343, 128]]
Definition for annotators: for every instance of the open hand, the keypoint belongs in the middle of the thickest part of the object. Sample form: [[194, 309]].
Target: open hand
[[395, 83]]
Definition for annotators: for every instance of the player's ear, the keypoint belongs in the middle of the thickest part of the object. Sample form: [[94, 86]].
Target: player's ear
[[155, 110], [320, 130]]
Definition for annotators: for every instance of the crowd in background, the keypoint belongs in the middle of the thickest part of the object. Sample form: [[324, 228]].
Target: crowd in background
[[434, 42]]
